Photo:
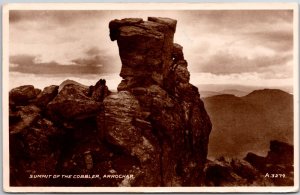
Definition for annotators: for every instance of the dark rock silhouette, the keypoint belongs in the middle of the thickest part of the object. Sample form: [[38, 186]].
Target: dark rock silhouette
[[99, 91], [280, 153], [257, 161]]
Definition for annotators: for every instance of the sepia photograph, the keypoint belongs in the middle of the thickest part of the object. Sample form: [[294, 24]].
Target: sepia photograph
[[150, 97]]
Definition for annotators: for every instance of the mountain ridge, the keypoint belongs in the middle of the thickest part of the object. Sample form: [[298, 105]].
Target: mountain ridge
[[238, 90], [262, 114]]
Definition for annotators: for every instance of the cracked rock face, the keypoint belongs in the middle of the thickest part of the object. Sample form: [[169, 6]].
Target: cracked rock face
[[155, 72]]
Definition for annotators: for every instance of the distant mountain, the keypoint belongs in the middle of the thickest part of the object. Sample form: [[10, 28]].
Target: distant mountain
[[235, 92], [69, 82], [248, 123], [204, 94], [238, 93], [233, 89]]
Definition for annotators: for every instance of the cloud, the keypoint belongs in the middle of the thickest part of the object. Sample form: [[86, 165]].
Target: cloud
[[227, 63], [60, 17], [280, 40], [221, 42], [62, 36], [241, 30], [239, 20], [90, 61], [93, 57], [31, 64], [93, 51], [24, 59]]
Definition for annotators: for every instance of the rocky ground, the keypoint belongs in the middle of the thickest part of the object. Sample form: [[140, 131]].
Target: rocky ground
[[276, 169]]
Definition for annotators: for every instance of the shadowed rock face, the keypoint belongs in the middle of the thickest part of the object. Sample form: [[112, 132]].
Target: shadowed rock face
[[155, 72], [155, 127]]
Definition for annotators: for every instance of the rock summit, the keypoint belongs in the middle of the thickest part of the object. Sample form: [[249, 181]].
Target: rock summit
[[155, 128]]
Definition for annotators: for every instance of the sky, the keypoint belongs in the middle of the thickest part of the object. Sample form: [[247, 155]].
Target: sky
[[251, 47]]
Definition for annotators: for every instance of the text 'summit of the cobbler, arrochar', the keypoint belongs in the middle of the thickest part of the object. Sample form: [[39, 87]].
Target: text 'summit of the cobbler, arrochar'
[[86, 176]]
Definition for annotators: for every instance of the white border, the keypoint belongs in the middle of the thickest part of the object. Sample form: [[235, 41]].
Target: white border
[[147, 6]]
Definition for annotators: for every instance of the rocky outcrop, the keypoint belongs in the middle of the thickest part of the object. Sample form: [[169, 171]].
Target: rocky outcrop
[[155, 127], [22, 95], [280, 153], [278, 165], [145, 49], [46, 96], [155, 72]]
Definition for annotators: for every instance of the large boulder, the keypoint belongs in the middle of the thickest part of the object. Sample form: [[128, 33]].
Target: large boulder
[[280, 153], [244, 169], [46, 96], [259, 162], [23, 94], [72, 103]]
